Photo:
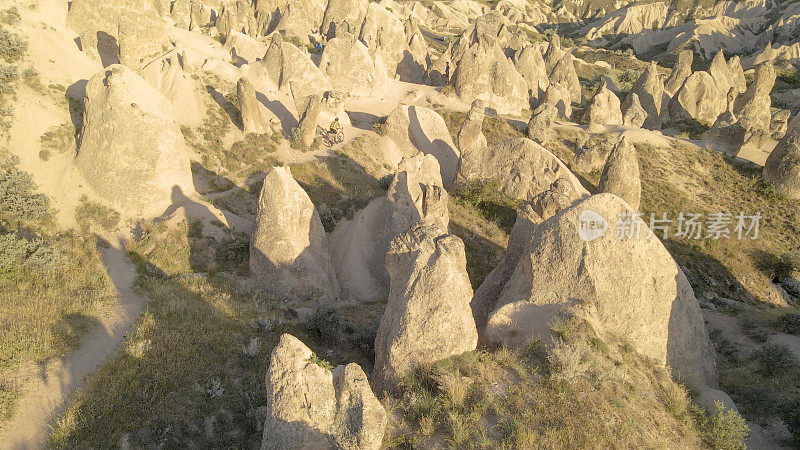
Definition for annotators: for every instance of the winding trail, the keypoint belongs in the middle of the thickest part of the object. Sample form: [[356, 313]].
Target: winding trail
[[47, 392]]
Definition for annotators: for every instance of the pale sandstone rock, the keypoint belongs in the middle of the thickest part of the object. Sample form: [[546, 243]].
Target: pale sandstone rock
[[782, 167], [540, 123], [621, 174]]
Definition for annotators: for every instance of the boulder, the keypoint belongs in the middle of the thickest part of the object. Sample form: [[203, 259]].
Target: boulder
[[782, 168], [131, 151], [308, 406], [680, 72], [650, 90], [564, 73], [634, 115], [288, 249], [544, 206], [522, 168], [470, 136], [603, 109], [697, 99], [346, 62], [779, 123], [540, 123], [530, 64], [629, 288], [559, 96], [427, 315], [254, 120], [621, 174]]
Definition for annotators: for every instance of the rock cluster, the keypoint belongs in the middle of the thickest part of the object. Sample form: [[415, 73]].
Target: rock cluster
[[427, 315], [310, 406]]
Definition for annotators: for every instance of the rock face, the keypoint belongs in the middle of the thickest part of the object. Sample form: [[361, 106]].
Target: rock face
[[621, 174], [545, 205], [564, 73], [308, 406], [242, 46], [132, 153], [782, 167], [126, 31], [289, 249], [522, 167], [720, 73], [753, 106], [427, 316], [253, 118], [559, 96], [603, 109], [697, 99], [343, 17], [650, 89], [628, 287], [680, 72], [384, 34], [530, 65], [541, 121], [417, 128], [348, 65], [470, 136], [484, 72], [287, 67], [634, 115], [416, 193], [309, 113], [554, 52], [172, 76]]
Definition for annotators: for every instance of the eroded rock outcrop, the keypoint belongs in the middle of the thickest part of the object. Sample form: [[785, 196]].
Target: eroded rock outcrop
[[634, 115], [564, 74], [559, 96], [603, 109], [427, 316], [541, 121], [680, 72], [782, 167], [132, 152], [470, 135], [545, 205], [254, 120], [650, 89], [697, 99], [530, 65], [309, 406], [621, 174], [288, 249], [522, 168], [348, 65], [624, 287]]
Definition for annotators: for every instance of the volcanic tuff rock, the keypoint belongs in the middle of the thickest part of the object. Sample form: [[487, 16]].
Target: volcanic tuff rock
[[625, 287], [782, 167], [131, 152], [522, 167], [427, 315], [308, 406], [541, 121], [621, 174], [289, 249]]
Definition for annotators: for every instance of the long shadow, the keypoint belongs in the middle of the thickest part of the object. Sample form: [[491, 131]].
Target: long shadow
[[444, 153], [288, 121], [230, 109], [362, 120]]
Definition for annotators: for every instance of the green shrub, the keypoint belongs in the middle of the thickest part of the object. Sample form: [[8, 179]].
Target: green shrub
[[324, 323], [724, 429], [789, 323], [10, 16], [59, 138], [774, 359], [20, 205], [12, 46], [89, 213]]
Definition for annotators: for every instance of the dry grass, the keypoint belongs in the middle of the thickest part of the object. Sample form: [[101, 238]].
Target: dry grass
[[586, 394]]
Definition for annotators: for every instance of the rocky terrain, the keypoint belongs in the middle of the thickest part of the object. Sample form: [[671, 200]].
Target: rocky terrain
[[541, 224]]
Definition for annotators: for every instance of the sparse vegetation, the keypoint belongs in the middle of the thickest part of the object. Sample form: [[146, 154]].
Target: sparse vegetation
[[12, 46], [91, 214], [59, 138]]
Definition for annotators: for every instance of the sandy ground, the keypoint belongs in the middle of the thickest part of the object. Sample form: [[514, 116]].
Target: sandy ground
[[47, 390]]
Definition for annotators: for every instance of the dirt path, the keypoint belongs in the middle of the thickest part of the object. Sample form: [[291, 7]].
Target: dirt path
[[47, 392]]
